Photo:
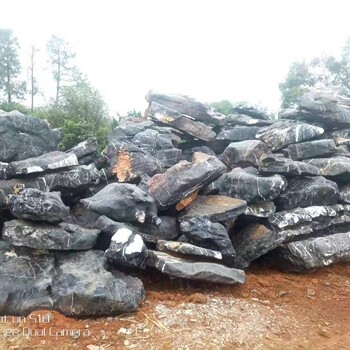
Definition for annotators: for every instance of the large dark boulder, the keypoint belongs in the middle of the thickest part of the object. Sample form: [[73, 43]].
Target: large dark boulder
[[337, 168], [23, 136], [238, 133], [123, 202]]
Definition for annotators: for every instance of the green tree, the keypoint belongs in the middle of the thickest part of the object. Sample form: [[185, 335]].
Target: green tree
[[64, 71], [10, 67], [80, 113], [223, 106]]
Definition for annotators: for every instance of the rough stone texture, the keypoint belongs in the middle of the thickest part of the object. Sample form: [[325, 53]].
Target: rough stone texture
[[214, 208], [189, 269], [168, 116], [183, 179], [37, 205], [203, 233], [250, 186], [253, 241], [261, 210], [5, 171], [238, 133], [313, 253], [25, 279], [167, 229], [334, 168], [127, 248], [127, 131], [23, 136], [84, 286], [188, 106], [311, 149], [341, 137], [246, 153], [287, 167], [251, 111], [186, 249], [123, 202], [85, 148], [64, 236], [308, 191], [47, 161], [345, 194], [243, 119], [284, 133]]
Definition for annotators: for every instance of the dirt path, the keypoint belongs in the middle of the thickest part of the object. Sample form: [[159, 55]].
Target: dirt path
[[271, 311]]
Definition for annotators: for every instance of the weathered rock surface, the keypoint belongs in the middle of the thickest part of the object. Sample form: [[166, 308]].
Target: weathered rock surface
[[85, 148], [308, 191], [246, 153], [203, 233], [47, 161], [238, 133], [64, 236], [311, 149], [33, 204], [243, 119], [183, 179], [214, 208], [287, 167], [127, 248], [251, 111], [284, 133], [345, 194], [334, 168], [127, 131], [341, 137], [85, 286], [25, 278], [182, 248], [189, 269], [313, 253], [23, 136], [251, 187], [167, 229], [5, 171], [261, 210]]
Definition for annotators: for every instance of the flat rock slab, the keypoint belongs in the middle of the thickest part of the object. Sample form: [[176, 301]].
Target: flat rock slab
[[190, 269], [345, 194], [206, 234], [287, 167], [250, 186], [311, 149], [313, 253], [284, 133], [85, 287], [123, 202], [308, 191], [47, 161], [25, 278], [261, 210], [253, 241], [182, 248], [33, 204], [127, 249], [246, 153], [85, 148], [23, 136], [251, 111], [238, 133], [243, 119], [183, 179], [64, 236], [334, 168], [214, 208], [173, 118], [127, 130]]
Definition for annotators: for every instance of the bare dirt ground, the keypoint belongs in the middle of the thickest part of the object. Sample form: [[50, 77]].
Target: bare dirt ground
[[272, 310]]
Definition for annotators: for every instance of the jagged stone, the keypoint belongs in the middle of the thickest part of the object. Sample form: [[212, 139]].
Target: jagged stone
[[246, 184], [187, 106], [345, 194], [287, 167], [246, 153], [337, 168], [190, 269], [126, 131], [313, 253], [284, 133], [183, 179], [242, 119], [64, 236], [214, 208], [308, 191], [167, 229], [33, 204], [127, 248], [311, 149], [203, 233], [85, 148], [186, 249], [47, 161], [188, 153], [251, 111], [85, 286], [341, 137], [124, 202], [171, 117], [261, 210], [238, 133], [5, 171], [23, 136]]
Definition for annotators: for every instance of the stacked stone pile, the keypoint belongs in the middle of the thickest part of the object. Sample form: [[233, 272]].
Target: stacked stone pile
[[184, 190]]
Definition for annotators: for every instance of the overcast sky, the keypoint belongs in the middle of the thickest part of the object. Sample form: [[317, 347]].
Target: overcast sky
[[211, 50]]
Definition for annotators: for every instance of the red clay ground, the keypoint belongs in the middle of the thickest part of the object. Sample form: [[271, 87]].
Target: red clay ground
[[272, 310]]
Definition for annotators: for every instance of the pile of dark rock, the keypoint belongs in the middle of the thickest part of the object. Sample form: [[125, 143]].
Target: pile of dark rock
[[184, 190]]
